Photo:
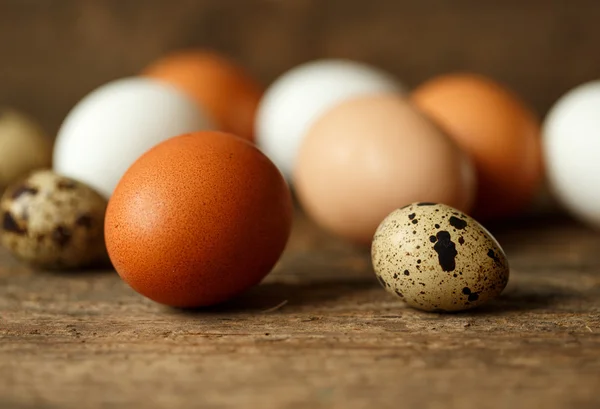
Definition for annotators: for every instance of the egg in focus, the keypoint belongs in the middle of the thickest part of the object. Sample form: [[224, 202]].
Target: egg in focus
[[115, 124], [221, 88], [299, 97], [436, 258], [198, 219], [371, 155], [497, 129]]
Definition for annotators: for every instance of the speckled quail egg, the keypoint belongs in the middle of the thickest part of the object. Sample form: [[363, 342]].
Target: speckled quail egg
[[53, 222], [436, 258], [23, 146]]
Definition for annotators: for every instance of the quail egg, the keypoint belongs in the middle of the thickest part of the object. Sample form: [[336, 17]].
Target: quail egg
[[53, 222], [436, 258]]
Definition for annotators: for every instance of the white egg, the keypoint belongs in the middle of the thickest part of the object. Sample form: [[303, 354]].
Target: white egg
[[115, 124], [571, 144], [299, 97]]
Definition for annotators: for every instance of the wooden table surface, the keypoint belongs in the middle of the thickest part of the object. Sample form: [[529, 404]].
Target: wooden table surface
[[318, 333]]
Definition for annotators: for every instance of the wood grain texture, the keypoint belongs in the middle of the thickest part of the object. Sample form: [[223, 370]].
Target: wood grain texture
[[53, 52], [335, 339]]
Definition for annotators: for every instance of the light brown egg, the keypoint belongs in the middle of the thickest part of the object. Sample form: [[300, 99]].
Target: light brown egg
[[221, 88], [371, 155], [53, 222], [198, 219], [24, 146], [436, 258], [499, 132]]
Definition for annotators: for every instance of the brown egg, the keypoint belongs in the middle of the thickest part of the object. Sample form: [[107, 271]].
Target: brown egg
[[501, 134], [198, 219], [371, 155], [222, 89]]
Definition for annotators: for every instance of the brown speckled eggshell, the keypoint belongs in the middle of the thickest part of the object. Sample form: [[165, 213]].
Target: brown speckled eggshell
[[198, 219], [436, 258], [53, 222]]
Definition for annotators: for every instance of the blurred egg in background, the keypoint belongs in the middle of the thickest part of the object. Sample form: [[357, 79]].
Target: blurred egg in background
[[223, 90], [372, 154], [115, 124], [572, 151], [300, 96], [53, 222], [24, 146], [497, 129]]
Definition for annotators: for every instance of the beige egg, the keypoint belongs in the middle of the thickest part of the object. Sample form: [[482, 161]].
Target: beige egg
[[436, 258], [53, 222], [23, 146], [371, 155]]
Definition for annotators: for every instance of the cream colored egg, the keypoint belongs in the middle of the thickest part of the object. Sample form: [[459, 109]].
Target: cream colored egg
[[371, 155], [23, 146], [53, 222], [436, 258]]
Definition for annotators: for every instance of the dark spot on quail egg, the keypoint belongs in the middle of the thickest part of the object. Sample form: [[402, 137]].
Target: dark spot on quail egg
[[84, 220], [9, 224], [65, 184], [446, 250], [61, 236], [493, 255], [22, 190], [457, 223]]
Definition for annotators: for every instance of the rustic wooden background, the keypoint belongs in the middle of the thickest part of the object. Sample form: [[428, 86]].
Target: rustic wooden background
[[52, 52]]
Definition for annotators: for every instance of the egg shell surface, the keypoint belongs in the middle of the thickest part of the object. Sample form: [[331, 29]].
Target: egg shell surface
[[371, 155], [497, 129], [221, 88], [571, 141], [436, 258], [303, 94], [112, 126], [53, 222], [198, 219]]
